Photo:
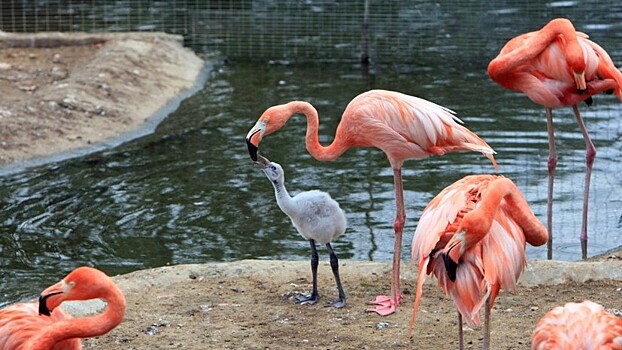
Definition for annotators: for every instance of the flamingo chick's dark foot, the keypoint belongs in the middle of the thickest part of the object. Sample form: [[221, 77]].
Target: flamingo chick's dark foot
[[385, 306], [337, 304], [307, 299]]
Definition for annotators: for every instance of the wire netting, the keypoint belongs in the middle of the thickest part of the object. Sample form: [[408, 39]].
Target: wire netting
[[393, 31]]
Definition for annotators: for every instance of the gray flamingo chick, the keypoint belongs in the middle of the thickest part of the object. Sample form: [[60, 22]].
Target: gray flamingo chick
[[317, 217]]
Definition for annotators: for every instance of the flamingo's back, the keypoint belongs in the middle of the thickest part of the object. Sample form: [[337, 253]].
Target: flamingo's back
[[585, 326], [540, 70], [21, 322], [406, 127], [494, 262]]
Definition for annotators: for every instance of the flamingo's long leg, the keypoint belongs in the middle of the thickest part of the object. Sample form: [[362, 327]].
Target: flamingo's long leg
[[552, 164], [386, 305], [460, 333], [590, 154], [398, 226], [487, 324]]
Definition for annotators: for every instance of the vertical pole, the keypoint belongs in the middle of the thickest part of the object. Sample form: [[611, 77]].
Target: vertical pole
[[365, 35]]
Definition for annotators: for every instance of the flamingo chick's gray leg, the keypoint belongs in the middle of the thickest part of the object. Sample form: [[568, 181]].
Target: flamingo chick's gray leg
[[334, 264], [315, 260]]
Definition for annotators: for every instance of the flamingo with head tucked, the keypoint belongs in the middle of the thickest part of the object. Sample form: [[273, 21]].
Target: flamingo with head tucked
[[557, 66], [402, 126], [43, 325], [472, 237]]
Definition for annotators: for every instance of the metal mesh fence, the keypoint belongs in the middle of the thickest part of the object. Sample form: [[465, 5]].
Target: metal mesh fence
[[398, 31]]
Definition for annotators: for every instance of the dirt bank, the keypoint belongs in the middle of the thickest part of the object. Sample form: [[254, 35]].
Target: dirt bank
[[67, 92]]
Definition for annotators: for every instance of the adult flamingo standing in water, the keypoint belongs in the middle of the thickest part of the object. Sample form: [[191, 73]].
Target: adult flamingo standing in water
[[472, 237], [556, 67], [43, 325], [585, 326], [402, 126]]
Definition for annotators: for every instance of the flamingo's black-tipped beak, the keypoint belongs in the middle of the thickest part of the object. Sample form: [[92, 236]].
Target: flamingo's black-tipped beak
[[450, 266], [43, 308], [252, 149], [253, 135]]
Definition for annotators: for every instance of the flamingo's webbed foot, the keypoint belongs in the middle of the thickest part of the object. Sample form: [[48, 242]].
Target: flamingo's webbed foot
[[307, 299], [337, 304], [385, 305]]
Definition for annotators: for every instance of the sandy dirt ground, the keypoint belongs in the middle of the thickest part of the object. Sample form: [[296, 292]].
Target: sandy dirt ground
[[249, 305], [74, 91]]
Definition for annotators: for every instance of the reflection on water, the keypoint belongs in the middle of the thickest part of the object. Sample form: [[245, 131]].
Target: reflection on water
[[189, 194]]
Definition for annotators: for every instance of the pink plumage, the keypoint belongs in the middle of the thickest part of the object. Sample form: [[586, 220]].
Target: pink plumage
[[472, 238], [578, 326], [21, 322], [43, 325], [557, 66]]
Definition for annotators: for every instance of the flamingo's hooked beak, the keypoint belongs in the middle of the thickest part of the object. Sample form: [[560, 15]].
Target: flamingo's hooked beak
[[254, 137], [579, 79], [252, 149], [43, 308], [52, 297], [262, 163]]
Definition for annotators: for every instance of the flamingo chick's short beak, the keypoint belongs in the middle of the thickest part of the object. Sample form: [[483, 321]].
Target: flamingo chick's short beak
[[262, 163]]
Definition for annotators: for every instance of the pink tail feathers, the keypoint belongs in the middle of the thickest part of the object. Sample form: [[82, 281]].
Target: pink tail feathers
[[423, 266], [485, 150]]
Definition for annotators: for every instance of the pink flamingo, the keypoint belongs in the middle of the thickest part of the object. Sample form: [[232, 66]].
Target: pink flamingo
[[556, 67], [42, 325], [472, 236], [402, 126], [585, 326]]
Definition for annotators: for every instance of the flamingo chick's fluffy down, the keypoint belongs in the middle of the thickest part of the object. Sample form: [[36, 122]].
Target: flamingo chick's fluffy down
[[317, 217]]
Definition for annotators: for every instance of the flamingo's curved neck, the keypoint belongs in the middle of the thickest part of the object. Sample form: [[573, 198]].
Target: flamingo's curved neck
[[535, 233], [319, 152], [535, 45], [82, 327]]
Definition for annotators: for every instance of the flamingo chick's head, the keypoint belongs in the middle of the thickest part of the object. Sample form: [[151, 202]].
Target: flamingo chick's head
[[270, 121], [274, 172], [83, 283]]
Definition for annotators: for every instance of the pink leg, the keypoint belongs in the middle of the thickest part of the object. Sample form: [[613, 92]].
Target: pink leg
[[552, 164], [387, 305], [590, 153]]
